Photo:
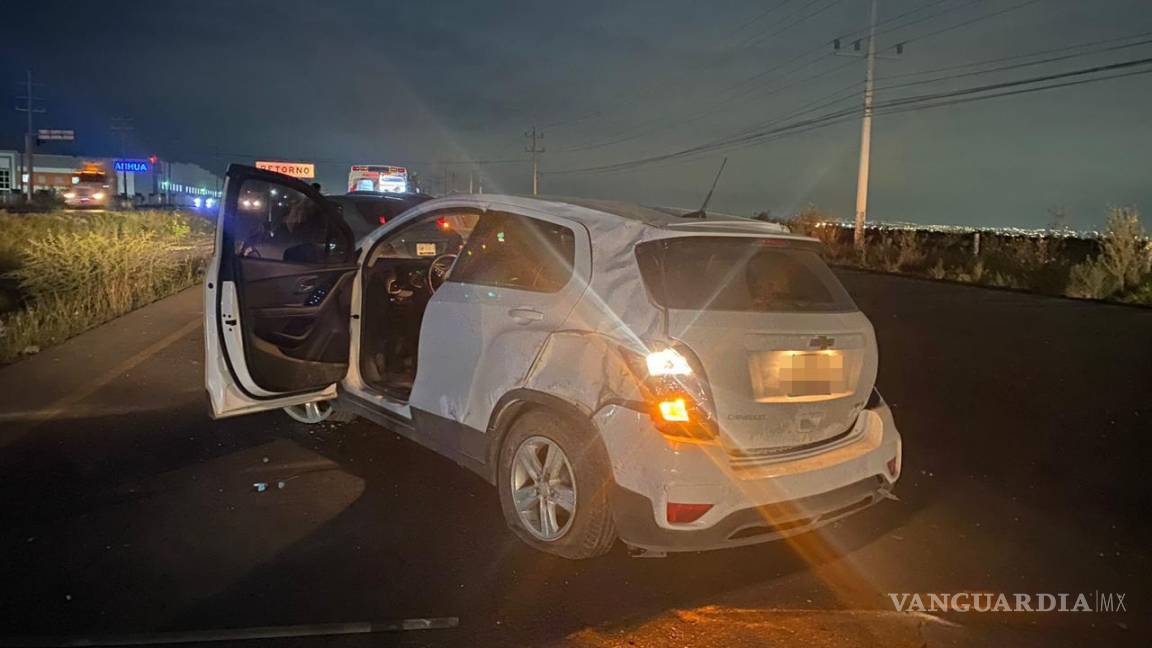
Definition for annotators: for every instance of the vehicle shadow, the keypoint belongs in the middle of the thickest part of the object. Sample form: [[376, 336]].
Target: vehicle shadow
[[427, 539]]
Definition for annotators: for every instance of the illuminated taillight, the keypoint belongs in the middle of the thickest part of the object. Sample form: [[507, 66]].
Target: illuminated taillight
[[685, 513], [674, 386], [674, 411], [383, 219]]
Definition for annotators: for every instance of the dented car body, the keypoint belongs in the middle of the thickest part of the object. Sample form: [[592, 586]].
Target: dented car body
[[678, 382]]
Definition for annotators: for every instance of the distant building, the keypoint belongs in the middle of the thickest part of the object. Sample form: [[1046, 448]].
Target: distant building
[[168, 183]]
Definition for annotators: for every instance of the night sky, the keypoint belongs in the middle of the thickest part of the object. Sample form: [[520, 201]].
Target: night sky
[[340, 83]]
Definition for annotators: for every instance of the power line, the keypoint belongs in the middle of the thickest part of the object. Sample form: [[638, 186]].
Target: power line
[[896, 105], [1016, 57], [917, 21], [712, 110], [789, 25], [922, 7], [724, 103], [975, 20], [1013, 66], [648, 90], [762, 15], [890, 20]]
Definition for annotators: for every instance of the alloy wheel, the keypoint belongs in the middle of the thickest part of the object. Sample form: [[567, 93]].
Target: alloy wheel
[[310, 413], [543, 488]]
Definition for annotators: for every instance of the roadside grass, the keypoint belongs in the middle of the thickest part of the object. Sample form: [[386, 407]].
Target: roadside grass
[[66, 273], [1116, 267]]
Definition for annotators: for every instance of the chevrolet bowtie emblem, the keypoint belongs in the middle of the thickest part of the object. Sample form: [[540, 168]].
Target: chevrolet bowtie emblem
[[821, 342]]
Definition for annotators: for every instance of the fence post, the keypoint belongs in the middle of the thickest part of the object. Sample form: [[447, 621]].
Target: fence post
[[976, 244]]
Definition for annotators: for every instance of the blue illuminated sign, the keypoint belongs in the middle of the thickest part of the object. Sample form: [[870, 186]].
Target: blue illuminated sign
[[132, 166]]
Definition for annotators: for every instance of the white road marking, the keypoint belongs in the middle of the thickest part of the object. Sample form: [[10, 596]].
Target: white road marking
[[237, 634]]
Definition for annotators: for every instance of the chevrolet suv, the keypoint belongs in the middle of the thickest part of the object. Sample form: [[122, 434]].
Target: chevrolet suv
[[679, 382]]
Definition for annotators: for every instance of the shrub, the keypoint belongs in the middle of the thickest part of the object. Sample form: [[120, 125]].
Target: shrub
[[1141, 295], [1007, 280], [938, 271], [1123, 266], [77, 276], [819, 224], [16, 230], [974, 275], [1125, 253], [910, 252], [1089, 280], [882, 254]]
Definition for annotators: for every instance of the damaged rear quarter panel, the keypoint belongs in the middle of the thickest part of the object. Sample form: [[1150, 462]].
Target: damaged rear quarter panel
[[585, 369]]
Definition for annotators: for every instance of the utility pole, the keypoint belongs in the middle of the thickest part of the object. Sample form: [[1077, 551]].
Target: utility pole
[[29, 136], [865, 138], [122, 126], [534, 151], [866, 125]]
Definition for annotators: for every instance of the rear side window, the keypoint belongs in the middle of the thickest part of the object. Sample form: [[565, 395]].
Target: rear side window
[[513, 251], [738, 274]]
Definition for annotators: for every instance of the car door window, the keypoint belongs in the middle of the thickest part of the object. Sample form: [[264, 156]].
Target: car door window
[[512, 251], [426, 238], [278, 223]]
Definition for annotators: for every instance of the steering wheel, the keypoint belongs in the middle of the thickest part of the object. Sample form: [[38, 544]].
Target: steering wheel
[[438, 271]]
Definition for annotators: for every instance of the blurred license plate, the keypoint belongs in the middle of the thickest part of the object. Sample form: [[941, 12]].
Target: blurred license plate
[[812, 374], [781, 375]]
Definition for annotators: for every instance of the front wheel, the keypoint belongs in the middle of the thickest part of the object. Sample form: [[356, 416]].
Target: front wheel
[[318, 412], [554, 487]]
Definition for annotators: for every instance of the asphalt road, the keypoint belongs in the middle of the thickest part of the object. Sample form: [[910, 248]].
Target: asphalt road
[[126, 510]]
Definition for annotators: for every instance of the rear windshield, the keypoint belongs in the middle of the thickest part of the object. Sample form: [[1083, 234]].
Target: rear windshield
[[729, 273]]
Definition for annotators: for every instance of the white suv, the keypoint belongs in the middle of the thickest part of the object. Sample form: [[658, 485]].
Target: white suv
[[675, 381]]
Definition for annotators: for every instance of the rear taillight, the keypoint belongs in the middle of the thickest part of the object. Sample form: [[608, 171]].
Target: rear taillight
[[673, 384], [674, 410], [383, 219], [685, 513]]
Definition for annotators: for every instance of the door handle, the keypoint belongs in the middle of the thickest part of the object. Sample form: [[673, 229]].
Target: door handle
[[305, 285], [525, 315]]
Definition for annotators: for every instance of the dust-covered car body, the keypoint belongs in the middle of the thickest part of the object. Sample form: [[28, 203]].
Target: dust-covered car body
[[617, 371]]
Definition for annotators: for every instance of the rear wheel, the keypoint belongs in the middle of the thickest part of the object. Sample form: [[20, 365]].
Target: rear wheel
[[318, 412], [554, 486]]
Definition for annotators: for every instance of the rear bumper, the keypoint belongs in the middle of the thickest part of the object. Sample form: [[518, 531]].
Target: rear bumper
[[772, 499], [637, 526]]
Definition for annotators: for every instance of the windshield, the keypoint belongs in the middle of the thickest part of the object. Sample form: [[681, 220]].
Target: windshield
[[92, 178], [366, 214], [738, 274]]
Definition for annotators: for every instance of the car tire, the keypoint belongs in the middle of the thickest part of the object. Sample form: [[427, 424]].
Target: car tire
[[320, 412], [590, 530]]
